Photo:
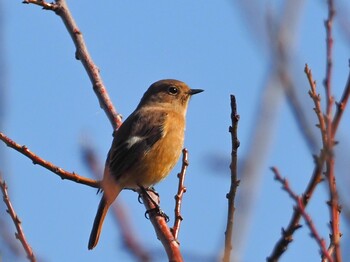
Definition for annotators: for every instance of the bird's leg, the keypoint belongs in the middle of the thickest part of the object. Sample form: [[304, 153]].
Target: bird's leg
[[154, 211], [153, 190], [144, 190]]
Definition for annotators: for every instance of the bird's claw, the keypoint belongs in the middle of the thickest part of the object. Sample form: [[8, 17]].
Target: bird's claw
[[156, 212], [139, 198]]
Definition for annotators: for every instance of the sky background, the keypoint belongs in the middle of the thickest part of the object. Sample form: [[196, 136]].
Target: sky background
[[223, 47]]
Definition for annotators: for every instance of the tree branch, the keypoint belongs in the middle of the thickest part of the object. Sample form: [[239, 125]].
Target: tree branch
[[234, 181], [299, 205], [180, 191], [37, 160], [317, 102], [61, 9], [160, 225], [17, 222], [332, 126], [328, 147]]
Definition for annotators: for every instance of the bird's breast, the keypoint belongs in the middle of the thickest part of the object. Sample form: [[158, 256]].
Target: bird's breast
[[164, 154]]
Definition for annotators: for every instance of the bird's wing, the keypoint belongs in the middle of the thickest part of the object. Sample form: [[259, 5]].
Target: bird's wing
[[134, 139]]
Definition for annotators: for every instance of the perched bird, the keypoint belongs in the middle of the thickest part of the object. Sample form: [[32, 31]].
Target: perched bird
[[146, 146]]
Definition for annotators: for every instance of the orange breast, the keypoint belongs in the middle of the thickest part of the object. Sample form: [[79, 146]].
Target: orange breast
[[163, 156]]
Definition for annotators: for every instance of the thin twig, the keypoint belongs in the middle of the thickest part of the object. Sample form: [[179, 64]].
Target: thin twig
[[7, 237], [330, 251], [178, 197], [317, 102], [61, 9], [45, 5], [48, 165], [328, 147], [300, 206], [17, 222], [279, 46], [341, 105], [329, 56], [234, 181], [287, 233]]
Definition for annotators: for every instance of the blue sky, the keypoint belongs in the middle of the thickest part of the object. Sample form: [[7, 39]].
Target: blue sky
[[216, 46]]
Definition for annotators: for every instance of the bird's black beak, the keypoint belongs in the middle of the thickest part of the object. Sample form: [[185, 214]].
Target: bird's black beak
[[195, 91]]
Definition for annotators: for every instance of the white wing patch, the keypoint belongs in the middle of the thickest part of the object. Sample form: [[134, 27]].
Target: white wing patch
[[132, 141]]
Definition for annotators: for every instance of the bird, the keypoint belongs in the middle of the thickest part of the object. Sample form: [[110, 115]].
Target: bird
[[146, 146]]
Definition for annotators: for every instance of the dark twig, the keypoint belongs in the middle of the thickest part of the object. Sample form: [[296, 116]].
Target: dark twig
[[61, 9], [17, 222], [119, 212], [234, 181], [299, 205], [180, 191], [46, 164]]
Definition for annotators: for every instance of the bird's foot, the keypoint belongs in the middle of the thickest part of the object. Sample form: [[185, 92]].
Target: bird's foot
[[156, 212]]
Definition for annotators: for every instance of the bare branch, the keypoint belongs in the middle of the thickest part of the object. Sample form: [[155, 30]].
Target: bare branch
[[61, 9], [341, 106], [328, 147], [317, 102], [331, 127], [234, 181], [45, 5], [300, 206], [180, 191], [37, 160], [17, 222], [163, 232], [287, 233]]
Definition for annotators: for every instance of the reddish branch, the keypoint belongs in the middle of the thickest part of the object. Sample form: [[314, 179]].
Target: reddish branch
[[341, 107], [160, 225], [234, 181], [17, 222], [328, 147], [301, 208], [180, 191], [317, 102], [293, 225], [61, 9], [329, 55], [287, 233], [37, 160]]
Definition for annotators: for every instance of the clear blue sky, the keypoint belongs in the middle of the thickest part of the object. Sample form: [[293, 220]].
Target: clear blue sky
[[51, 108]]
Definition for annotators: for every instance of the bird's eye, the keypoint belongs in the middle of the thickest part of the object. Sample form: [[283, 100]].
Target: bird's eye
[[173, 90]]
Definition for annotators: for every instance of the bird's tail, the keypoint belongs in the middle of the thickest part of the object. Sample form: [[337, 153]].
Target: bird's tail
[[98, 222]]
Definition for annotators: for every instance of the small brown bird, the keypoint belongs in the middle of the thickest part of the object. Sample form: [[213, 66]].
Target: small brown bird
[[146, 146]]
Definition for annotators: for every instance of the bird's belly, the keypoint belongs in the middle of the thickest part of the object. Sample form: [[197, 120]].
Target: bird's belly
[[158, 162]]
